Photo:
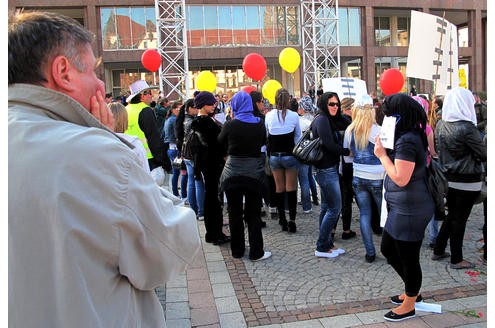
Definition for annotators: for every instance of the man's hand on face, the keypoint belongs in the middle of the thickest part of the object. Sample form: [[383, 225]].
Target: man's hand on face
[[99, 109]]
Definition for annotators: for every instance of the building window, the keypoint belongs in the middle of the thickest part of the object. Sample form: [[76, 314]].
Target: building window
[[403, 29], [234, 26], [463, 36], [128, 28], [351, 67], [392, 31], [349, 27], [382, 31], [123, 78]]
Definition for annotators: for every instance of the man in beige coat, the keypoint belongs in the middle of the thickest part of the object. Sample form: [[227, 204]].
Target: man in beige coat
[[90, 236]]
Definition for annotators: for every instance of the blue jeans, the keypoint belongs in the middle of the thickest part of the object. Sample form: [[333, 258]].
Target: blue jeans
[[312, 182], [367, 191], [304, 185], [331, 204], [195, 190], [172, 154], [433, 229]]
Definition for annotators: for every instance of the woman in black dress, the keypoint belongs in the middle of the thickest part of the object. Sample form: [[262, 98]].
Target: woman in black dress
[[409, 203]]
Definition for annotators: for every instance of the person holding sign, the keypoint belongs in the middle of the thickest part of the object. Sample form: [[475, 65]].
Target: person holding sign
[[408, 202]]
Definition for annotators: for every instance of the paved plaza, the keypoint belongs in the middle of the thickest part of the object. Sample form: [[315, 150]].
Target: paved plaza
[[296, 289]]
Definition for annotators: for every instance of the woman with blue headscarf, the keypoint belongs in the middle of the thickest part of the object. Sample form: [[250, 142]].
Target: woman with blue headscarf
[[243, 176]]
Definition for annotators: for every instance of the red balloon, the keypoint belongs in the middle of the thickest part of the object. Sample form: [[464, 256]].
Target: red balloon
[[391, 81], [254, 65], [249, 89], [151, 60]]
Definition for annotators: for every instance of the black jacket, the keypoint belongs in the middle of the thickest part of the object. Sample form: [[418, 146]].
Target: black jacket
[[460, 150]]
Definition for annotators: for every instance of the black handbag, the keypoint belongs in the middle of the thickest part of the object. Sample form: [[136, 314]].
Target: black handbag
[[308, 149]]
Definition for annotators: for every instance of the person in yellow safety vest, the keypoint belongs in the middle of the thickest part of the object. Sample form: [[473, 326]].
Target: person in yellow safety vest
[[142, 124]]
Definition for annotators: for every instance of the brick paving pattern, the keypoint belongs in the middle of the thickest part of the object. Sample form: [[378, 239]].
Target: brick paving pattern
[[294, 287]]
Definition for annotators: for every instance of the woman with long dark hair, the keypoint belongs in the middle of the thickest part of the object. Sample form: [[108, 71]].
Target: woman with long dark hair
[[284, 131], [195, 187], [327, 125], [408, 202]]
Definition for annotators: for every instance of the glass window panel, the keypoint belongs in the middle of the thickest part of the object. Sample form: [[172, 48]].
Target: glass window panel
[[343, 27], [123, 22], [239, 24], [138, 27], [463, 37], [351, 67], [195, 24], [354, 26], [253, 25], [292, 25], [327, 33], [402, 31], [150, 27], [280, 25], [211, 25], [382, 31], [267, 15], [225, 25], [108, 29]]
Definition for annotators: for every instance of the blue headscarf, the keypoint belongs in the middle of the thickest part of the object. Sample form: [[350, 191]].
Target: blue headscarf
[[242, 107]]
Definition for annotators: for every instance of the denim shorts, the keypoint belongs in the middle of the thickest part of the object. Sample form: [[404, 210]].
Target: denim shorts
[[283, 162]]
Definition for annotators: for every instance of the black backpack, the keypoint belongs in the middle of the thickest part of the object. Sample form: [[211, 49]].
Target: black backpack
[[438, 187], [193, 146]]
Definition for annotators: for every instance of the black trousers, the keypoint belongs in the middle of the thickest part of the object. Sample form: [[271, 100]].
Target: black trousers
[[403, 256], [212, 207], [460, 204], [347, 194], [249, 212]]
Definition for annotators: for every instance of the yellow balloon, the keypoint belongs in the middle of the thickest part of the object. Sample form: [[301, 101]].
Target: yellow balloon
[[289, 59], [269, 90], [206, 81]]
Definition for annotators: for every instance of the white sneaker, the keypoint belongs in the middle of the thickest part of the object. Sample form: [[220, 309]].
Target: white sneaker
[[201, 218], [273, 210], [328, 254], [338, 250], [264, 257], [308, 211]]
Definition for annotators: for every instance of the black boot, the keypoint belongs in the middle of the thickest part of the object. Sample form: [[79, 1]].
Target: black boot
[[281, 210], [315, 200], [292, 200], [292, 226]]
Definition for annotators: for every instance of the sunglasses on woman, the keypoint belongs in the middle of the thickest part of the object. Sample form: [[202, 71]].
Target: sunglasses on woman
[[333, 104]]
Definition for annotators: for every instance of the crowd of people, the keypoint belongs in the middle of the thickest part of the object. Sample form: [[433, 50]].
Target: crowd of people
[[105, 231]]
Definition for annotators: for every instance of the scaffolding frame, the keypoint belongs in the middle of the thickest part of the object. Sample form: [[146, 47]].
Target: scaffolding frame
[[320, 44], [172, 45], [320, 41]]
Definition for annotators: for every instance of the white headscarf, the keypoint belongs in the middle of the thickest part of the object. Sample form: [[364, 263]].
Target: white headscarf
[[458, 105]]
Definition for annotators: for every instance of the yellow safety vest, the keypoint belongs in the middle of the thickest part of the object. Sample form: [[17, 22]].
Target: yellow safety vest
[[133, 129]]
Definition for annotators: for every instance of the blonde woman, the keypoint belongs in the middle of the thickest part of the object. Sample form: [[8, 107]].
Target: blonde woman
[[121, 121], [283, 132], [368, 172]]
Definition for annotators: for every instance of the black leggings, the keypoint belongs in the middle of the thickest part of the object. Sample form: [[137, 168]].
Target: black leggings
[[403, 256]]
